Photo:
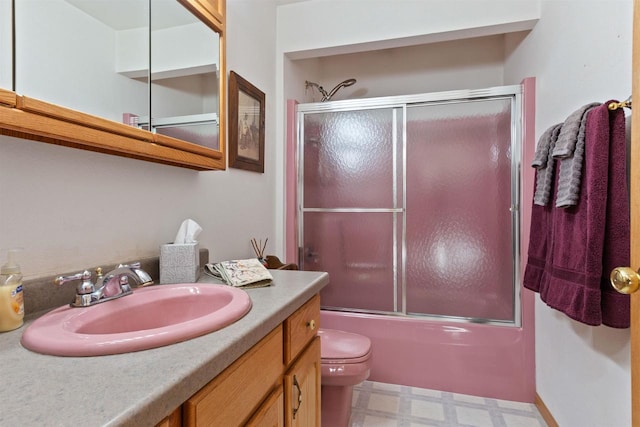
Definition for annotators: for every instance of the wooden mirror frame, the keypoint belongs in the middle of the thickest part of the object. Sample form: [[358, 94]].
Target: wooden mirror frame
[[29, 118]]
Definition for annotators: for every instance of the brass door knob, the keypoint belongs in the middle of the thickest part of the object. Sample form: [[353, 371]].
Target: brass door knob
[[625, 280]]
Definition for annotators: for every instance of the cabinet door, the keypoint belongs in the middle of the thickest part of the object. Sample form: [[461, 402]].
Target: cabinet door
[[302, 389], [271, 412]]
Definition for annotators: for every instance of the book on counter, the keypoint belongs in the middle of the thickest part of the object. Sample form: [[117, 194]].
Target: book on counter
[[241, 273]]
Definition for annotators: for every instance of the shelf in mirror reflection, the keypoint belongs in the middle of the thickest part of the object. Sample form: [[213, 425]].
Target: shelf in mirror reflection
[[200, 129]]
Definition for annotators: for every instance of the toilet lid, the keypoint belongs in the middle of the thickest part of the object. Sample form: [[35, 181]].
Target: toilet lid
[[341, 345]]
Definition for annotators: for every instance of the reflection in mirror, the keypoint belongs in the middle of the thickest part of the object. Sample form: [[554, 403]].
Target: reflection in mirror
[[79, 54], [6, 48], [184, 75]]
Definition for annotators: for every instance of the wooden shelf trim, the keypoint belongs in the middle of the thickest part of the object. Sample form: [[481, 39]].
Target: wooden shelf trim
[[7, 98], [211, 12], [55, 130], [32, 105]]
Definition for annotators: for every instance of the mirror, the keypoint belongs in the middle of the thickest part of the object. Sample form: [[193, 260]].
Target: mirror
[[148, 72], [6, 48], [76, 54], [184, 75]]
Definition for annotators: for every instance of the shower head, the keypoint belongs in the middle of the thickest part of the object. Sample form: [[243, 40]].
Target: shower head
[[346, 83], [327, 96]]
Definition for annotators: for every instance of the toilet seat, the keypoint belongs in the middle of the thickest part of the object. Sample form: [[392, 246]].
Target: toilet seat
[[340, 347]]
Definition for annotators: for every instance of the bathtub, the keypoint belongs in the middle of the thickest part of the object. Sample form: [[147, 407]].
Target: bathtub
[[476, 359]]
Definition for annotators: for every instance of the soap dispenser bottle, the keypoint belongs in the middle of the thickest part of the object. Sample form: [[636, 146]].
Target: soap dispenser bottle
[[11, 298]]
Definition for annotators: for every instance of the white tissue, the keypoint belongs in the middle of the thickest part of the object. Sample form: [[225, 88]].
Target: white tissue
[[188, 232]]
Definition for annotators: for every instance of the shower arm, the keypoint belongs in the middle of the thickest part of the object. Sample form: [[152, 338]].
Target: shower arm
[[339, 86], [328, 96]]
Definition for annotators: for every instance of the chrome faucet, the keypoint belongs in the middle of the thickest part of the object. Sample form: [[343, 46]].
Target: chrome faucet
[[114, 284]]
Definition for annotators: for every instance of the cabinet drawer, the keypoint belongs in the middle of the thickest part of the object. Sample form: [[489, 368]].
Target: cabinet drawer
[[234, 395], [300, 328]]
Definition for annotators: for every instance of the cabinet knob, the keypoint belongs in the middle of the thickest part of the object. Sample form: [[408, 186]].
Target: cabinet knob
[[311, 324]]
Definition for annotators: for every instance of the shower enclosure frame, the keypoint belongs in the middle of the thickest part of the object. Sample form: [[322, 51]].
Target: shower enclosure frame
[[403, 103]]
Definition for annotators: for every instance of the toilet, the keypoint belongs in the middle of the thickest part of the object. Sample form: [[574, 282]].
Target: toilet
[[346, 360]]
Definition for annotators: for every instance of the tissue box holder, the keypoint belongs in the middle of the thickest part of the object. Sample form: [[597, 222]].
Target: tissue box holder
[[179, 263]]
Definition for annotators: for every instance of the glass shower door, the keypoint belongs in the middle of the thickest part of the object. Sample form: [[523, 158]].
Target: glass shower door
[[459, 240], [410, 204], [351, 209]]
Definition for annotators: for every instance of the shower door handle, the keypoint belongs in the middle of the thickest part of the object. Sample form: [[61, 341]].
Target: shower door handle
[[310, 255]]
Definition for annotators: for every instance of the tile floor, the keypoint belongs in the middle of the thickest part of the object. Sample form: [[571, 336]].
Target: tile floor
[[389, 405]]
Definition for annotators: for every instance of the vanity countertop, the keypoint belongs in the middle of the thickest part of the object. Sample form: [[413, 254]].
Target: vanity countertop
[[139, 388]]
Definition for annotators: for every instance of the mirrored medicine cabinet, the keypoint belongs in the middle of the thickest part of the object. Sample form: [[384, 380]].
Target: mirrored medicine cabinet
[[137, 78]]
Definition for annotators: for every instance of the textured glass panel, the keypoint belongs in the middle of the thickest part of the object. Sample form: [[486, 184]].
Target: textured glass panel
[[348, 160], [459, 238], [356, 249]]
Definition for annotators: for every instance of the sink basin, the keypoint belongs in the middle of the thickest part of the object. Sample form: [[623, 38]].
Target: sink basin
[[151, 317]]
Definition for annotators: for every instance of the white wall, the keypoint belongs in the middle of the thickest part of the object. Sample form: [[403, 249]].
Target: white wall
[[319, 28], [582, 372], [71, 209], [459, 64]]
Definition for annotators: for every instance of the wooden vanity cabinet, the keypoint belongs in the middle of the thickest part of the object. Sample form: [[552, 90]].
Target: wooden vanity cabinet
[[274, 384]]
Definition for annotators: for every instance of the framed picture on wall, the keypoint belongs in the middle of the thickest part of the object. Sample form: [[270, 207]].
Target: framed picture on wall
[[246, 125]]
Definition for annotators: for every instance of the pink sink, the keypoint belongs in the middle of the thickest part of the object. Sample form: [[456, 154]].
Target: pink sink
[[151, 317]]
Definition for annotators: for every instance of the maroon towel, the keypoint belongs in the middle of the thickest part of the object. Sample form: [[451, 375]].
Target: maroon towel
[[539, 238], [571, 250]]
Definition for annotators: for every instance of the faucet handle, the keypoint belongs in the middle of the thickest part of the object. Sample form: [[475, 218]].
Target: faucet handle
[[84, 287], [132, 265]]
